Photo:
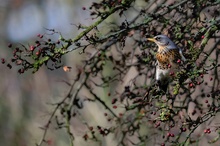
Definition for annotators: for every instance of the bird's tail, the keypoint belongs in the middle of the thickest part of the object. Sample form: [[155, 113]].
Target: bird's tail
[[163, 85]]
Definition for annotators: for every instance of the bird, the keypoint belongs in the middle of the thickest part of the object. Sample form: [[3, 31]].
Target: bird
[[169, 57]]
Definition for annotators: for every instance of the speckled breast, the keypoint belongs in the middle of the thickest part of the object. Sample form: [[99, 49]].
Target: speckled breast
[[168, 57]]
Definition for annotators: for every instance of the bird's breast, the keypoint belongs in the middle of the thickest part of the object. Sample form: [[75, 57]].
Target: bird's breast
[[165, 58]]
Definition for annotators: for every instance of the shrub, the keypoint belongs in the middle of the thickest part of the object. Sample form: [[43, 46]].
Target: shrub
[[121, 64]]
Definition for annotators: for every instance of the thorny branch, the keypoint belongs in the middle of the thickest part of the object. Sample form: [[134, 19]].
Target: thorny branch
[[123, 62]]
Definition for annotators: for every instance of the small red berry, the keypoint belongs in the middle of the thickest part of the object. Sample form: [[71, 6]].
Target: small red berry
[[40, 36], [85, 137], [3, 60], [32, 48], [14, 52], [49, 142], [20, 71], [91, 128], [114, 100], [207, 131], [194, 112], [171, 73], [183, 129], [38, 53], [202, 36], [191, 85], [120, 114], [9, 45], [114, 106], [178, 61]]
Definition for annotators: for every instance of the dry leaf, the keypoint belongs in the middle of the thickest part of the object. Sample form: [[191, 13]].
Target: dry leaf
[[67, 68]]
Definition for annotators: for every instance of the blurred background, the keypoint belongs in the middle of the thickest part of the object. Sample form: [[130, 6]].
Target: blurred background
[[24, 98]]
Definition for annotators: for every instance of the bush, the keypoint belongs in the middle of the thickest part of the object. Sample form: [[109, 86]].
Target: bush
[[118, 73]]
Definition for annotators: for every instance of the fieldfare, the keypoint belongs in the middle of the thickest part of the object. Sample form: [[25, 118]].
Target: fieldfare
[[169, 57]]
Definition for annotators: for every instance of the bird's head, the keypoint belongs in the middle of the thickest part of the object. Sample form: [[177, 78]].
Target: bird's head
[[163, 41]]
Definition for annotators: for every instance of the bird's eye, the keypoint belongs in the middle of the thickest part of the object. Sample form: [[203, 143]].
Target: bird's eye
[[158, 38]]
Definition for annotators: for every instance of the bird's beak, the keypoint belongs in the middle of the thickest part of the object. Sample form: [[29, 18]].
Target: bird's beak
[[151, 39]]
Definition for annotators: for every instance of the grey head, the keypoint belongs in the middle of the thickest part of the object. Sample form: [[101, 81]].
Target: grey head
[[163, 41]]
